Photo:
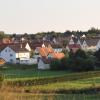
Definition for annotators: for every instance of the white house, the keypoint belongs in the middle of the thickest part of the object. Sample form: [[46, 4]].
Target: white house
[[91, 44], [8, 55], [13, 54]]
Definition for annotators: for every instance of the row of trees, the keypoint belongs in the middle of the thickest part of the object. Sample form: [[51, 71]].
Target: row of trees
[[92, 31], [79, 61], [3, 35]]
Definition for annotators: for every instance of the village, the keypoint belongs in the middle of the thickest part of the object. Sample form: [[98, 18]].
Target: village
[[49, 49], [43, 51]]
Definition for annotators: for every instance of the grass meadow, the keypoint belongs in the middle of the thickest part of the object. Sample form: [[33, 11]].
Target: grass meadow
[[27, 83]]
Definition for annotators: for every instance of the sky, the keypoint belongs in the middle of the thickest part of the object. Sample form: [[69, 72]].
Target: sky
[[32, 16]]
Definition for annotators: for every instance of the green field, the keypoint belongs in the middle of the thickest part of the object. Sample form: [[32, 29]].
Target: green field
[[21, 71], [50, 97], [28, 83]]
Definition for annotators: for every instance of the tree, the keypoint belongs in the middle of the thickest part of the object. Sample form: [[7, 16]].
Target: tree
[[80, 61], [94, 31], [97, 55], [2, 34], [80, 54]]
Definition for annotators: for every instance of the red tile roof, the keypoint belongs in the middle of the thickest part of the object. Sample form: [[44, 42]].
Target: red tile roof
[[17, 47], [44, 51], [58, 55], [71, 46]]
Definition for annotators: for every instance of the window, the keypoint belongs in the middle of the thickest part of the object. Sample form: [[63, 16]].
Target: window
[[5, 50], [11, 60], [11, 55]]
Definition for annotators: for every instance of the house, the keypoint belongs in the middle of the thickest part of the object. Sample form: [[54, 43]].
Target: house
[[24, 45], [74, 45], [84, 43], [44, 62], [8, 55], [15, 54], [45, 51], [90, 44], [47, 54]]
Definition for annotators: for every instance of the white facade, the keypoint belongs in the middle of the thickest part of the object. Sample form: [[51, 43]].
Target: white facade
[[98, 45], [78, 42], [8, 55], [71, 41], [88, 48], [23, 55], [42, 65], [84, 45]]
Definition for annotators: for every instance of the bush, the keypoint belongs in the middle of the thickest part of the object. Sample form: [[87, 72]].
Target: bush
[[55, 64]]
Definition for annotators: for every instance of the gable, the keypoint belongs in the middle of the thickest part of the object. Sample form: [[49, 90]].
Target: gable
[[28, 47], [7, 50]]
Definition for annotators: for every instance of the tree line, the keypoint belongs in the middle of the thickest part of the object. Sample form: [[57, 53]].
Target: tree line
[[92, 31]]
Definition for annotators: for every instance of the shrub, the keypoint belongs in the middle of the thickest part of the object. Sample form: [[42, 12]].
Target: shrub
[[55, 64]]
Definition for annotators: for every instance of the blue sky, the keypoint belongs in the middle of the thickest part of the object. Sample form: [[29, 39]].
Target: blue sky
[[32, 16]]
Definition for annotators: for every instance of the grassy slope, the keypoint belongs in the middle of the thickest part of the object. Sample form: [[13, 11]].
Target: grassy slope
[[21, 71], [12, 72]]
